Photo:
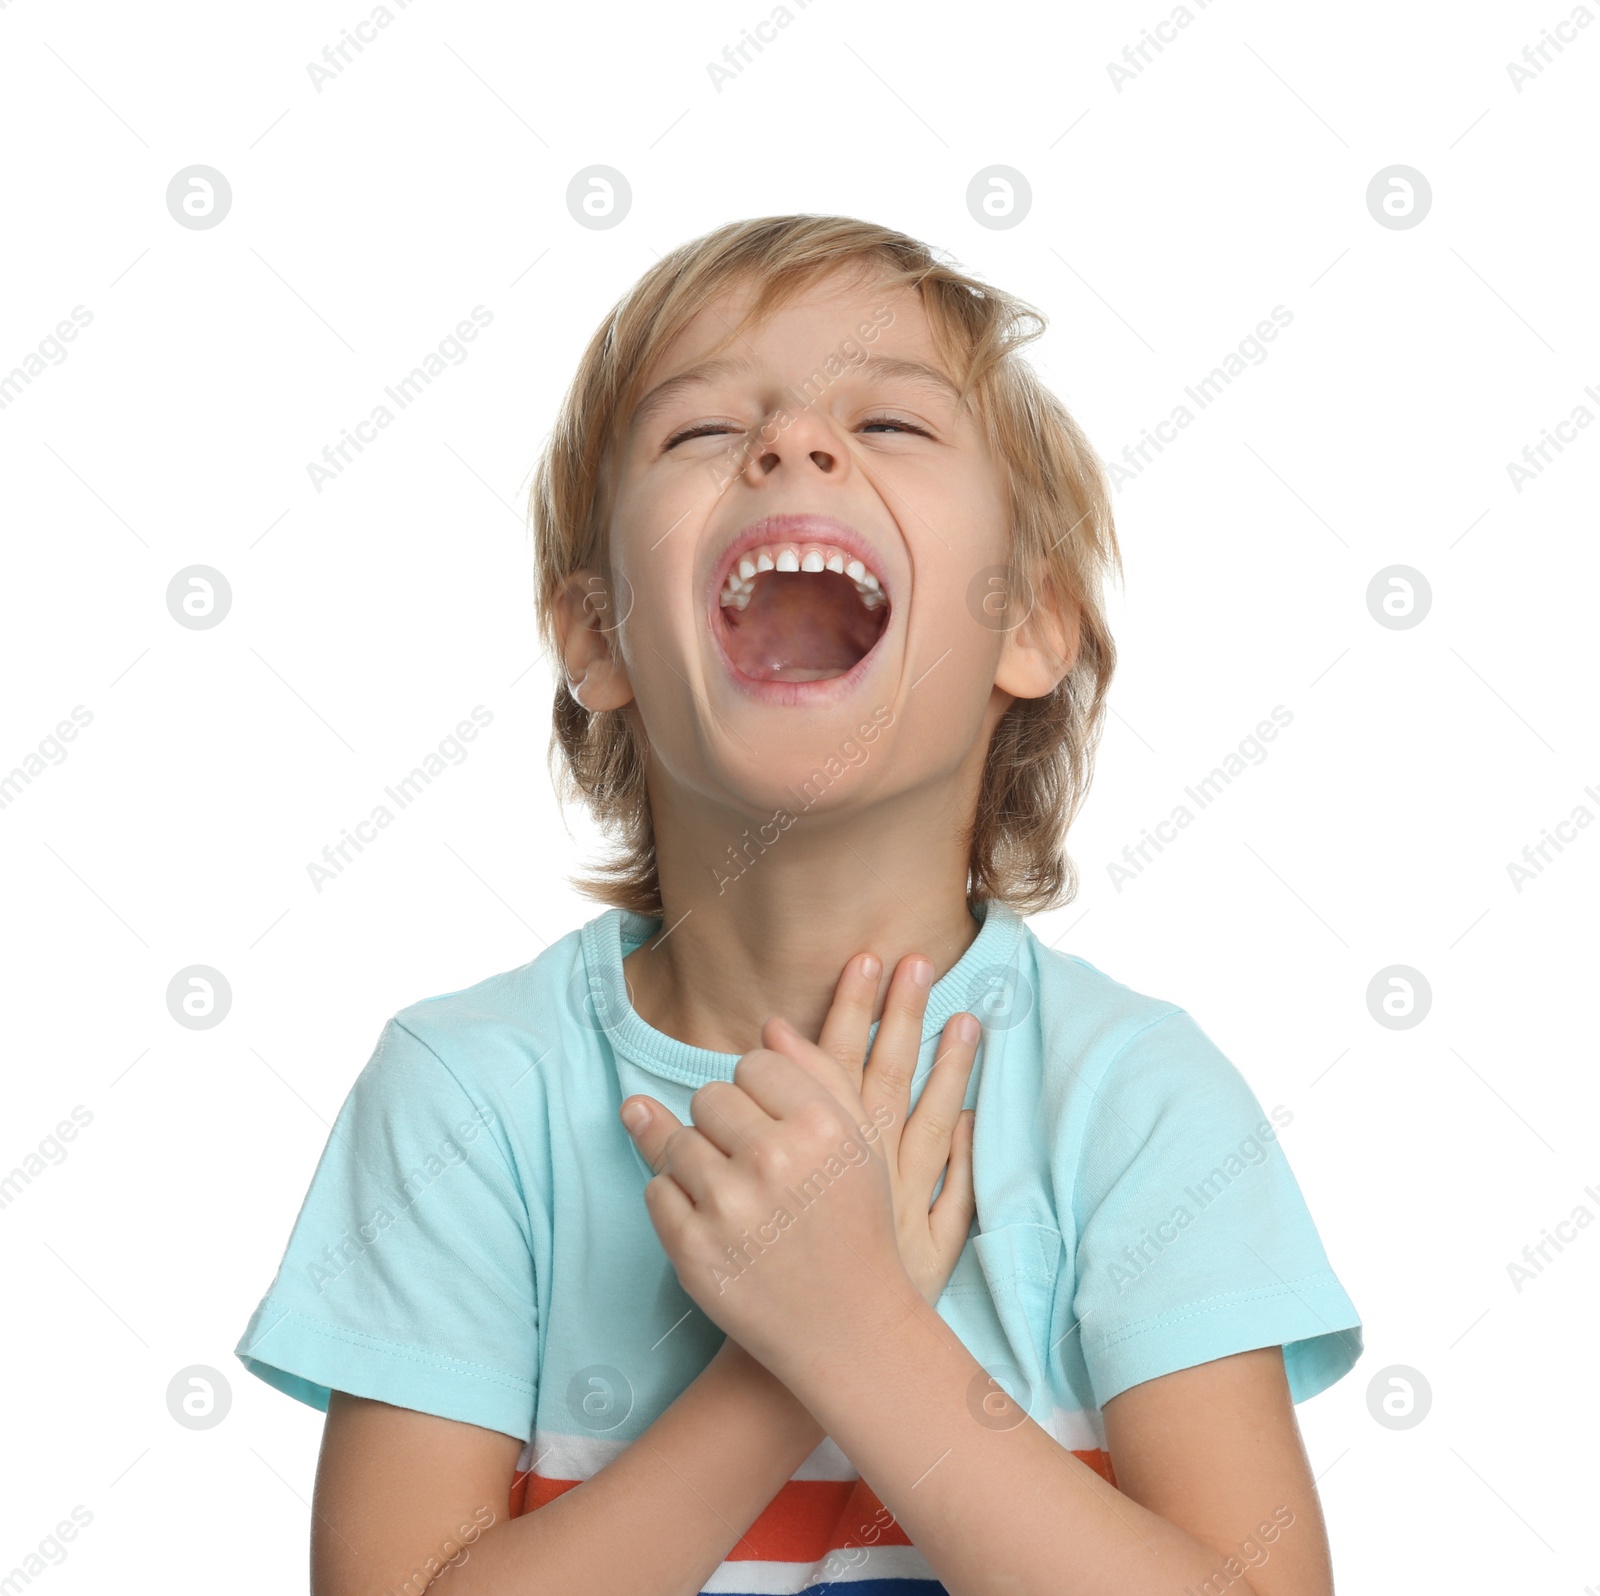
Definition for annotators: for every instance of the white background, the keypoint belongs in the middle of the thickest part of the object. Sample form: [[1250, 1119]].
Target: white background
[[1168, 218]]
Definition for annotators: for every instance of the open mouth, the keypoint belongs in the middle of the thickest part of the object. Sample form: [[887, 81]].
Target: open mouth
[[800, 612]]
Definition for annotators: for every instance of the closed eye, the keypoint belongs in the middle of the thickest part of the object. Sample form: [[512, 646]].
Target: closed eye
[[707, 429], [893, 421]]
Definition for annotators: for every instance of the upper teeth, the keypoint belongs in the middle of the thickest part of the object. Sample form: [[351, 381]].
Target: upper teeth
[[798, 557]]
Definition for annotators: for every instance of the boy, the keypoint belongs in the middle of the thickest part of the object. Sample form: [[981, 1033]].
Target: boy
[[821, 562]]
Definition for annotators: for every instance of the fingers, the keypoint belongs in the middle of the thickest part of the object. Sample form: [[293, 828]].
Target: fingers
[[669, 1208], [887, 1077], [845, 1030], [672, 1148], [950, 1218], [771, 1078], [728, 1117], [925, 1143]]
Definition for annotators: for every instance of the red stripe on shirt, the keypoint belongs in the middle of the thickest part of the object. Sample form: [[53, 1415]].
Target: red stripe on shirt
[[805, 1521]]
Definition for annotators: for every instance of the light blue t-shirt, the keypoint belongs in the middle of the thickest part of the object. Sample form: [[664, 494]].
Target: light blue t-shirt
[[475, 1242]]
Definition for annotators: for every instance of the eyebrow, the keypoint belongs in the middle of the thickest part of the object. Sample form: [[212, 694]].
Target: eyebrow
[[891, 367]]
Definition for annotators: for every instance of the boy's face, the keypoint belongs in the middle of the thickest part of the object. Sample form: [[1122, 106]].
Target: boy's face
[[864, 637]]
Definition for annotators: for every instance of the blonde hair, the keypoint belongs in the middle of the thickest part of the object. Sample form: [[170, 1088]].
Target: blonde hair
[[1040, 759]]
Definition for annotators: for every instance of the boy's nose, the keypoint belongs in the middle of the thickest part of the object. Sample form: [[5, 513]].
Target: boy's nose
[[768, 460], [801, 438]]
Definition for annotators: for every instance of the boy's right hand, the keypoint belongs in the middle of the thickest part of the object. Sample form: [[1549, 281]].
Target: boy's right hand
[[936, 1139], [938, 1135]]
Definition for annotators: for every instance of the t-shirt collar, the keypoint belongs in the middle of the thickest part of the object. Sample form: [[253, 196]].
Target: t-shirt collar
[[970, 984]]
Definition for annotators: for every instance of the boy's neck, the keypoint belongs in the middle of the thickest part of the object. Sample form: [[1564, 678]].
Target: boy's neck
[[736, 948]]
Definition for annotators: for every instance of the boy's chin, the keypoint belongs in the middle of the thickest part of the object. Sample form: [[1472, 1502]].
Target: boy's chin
[[811, 796], [822, 773]]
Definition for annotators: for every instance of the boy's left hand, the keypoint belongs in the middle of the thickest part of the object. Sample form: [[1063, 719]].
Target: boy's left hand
[[775, 1206]]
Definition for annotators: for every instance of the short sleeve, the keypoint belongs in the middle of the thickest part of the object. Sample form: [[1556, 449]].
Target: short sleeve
[[1194, 1241], [408, 1277]]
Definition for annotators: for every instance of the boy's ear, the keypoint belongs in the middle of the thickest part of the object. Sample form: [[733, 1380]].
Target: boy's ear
[[585, 617], [1040, 651]]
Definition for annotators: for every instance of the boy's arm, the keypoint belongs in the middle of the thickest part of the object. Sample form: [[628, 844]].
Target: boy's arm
[[1214, 1490], [396, 1488], [398, 1494], [1216, 1450]]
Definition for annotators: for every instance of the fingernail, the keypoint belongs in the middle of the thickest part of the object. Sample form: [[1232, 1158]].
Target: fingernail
[[966, 1028], [921, 972], [871, 965], [635, 1116]]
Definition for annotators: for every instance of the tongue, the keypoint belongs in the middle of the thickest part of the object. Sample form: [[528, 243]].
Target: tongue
[[801, 626]]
